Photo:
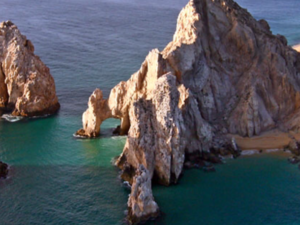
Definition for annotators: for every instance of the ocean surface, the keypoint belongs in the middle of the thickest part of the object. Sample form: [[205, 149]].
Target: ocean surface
[[57, 179]]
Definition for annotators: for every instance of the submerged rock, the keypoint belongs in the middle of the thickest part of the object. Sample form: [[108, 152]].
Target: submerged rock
[[208, 167], [294, 159], [3, 170], [26, 85], [224, 73]]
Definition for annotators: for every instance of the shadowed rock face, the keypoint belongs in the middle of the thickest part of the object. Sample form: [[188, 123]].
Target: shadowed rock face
[[223, 73], [26, 85], [3, 170]]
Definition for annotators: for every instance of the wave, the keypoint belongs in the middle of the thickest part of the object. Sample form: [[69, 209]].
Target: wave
[[255, 151], [249, 152], [119, 137], [11, 118], [272, 150], [126, 185], [77, 136]]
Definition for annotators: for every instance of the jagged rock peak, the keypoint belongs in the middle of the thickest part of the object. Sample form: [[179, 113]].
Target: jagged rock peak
[[242, 75], [199, 11], [26, 85], [224, 73]]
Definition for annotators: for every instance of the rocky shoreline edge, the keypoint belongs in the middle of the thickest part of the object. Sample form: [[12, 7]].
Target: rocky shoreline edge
[[3, 170], [26, 86]]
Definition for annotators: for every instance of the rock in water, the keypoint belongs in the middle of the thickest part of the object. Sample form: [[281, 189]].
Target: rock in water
[[156, 136], [3, 170], [141, 204], [223, 73], [294, 146], [294, 159], [26, 85], [94, 115]]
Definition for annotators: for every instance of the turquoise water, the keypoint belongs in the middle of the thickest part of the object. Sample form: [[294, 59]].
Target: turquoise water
[[57, 179]]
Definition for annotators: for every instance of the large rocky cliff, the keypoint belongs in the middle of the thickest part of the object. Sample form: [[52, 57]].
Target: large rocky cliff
[[26, 85], [223, 73]]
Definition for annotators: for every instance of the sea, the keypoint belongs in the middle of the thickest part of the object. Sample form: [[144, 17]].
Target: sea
[[57, 179]]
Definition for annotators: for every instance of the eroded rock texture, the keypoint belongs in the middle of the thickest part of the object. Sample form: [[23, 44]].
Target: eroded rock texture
[[223, 73], [26, 85], [141, 204], [157, 133]]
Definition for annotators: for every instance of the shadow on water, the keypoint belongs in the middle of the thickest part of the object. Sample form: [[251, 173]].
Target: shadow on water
[[4, 111]]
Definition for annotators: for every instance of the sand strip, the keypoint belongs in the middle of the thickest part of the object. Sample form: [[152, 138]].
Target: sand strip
[[272, 141]]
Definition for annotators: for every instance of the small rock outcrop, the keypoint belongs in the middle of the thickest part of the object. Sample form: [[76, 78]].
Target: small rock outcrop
[[3, 170], [294, 146], [94, 115], [294, 159], [224, 73], [26, 85], [141, 204]]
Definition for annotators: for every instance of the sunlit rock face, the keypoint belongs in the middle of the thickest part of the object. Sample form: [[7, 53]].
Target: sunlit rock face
[[297, 47], [26, 85], [223, 73], [141, 204], [243, 78]]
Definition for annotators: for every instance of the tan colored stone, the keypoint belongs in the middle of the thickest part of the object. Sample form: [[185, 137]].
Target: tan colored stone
[[141, 204], [26, 84], [156, 138], [223, 73]]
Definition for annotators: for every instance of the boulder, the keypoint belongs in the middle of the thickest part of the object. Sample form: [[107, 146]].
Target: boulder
[[26, 85], [294, 159], [3, 170]]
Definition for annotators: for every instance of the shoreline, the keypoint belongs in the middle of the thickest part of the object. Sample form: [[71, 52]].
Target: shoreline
[[271, 142], [272, 152]]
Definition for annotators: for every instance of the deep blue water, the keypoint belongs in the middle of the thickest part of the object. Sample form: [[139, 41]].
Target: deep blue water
[[56, 179]]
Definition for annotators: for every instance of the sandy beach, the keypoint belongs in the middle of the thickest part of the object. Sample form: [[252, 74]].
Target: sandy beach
[[269, 142]]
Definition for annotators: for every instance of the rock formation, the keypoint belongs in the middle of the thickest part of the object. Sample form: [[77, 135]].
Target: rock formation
[[26, 85], [224, 73], [3, 170], [141, 204]]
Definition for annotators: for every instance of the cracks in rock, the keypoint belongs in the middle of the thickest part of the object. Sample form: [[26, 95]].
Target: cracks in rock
[[3, 89]]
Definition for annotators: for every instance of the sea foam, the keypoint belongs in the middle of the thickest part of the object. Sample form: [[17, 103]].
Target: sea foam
[[249, 152], [11, 118]]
